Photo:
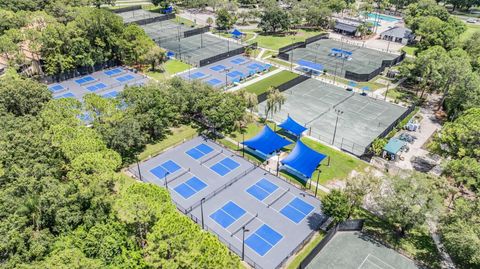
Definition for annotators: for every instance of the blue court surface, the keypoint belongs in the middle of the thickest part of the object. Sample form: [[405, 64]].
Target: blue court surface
[[214, 82], [56, 88], [235, 74], [262, 189], [224, 166], [165, 169], [66, 95], [199, 151], [218, 67], [96, 87], [84, 80], [238, 60], [263, 239], [125, 78], [228, 214], [110, 94], [113, 72], [197, 75], [217, 187], [255, 66], [190, 187], [297, 210]]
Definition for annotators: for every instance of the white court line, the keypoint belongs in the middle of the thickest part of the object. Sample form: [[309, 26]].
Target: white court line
[[364, 260], [383, 261]]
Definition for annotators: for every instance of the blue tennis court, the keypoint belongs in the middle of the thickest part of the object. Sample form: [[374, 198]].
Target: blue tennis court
[[297, 210], [255, 66], [262, 189], [56, 88], [84, 80], [218, 67], [238, 60], [113, 72], [197, 75], [164, 169], [228, 214], [125, 78], [214, 82], [199, 151], [111, 94], [67, 95], [235, 74], [224, 166], [96, 87], [263, 239], [190, 187]]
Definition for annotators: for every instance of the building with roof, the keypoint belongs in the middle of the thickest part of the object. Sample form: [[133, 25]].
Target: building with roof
[[398, 34], [346, 27]]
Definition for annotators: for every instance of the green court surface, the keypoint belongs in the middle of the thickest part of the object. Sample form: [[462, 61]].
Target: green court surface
[[354, 250]]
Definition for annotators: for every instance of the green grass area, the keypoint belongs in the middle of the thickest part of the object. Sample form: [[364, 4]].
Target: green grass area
[[471, 29], [247, 36], [410, 50], [305, 251], [400, 94], [184, 21], [171, 67], [275, 42], [280, 62], [268, 53], [370, 84], [177, 136], [272, 81], [418, 244]]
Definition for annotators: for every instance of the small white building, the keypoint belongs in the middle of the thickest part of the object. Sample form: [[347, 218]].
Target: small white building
[[398, 34]]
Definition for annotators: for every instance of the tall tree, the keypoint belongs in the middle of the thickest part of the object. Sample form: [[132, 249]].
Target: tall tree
[[275, 100], [274, 20], [224, 19]]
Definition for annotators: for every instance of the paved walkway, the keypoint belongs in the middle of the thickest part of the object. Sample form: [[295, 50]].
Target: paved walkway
[[428, 126]]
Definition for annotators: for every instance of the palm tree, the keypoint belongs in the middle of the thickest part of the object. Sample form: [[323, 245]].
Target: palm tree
[[275, 100], [250, 99]]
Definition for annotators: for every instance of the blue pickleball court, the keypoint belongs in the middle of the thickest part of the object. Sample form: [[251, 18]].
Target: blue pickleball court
[[66, 95], [224, 166], [197, 75], [262, 189], [96, 87], [166, 168], [263, 239], [125, 78], [235, 74], [297, 210], [112, 94], [214, 82], [228, 214], [218, 67], [84, 80], [199, 151], [190, 187], [238, 60], [113, 72], [56, 88]]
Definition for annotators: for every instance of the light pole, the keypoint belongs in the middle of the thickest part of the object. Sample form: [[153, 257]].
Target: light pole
[[291, 60], [318, 179], [386, 92], [165, 179], [201, 211], [339, 112], [226, 78], [139, 171], [243, 241]]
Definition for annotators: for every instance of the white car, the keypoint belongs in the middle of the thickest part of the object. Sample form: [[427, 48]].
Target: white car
[[472, 20]]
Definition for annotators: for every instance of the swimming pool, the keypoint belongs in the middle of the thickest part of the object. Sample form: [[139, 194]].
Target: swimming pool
[[382, 17]]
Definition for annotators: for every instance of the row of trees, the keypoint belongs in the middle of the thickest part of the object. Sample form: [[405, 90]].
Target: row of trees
[[49, 5], [73, 37], [63, 204]]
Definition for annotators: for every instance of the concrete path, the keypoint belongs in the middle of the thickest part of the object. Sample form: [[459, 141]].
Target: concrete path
[[447, 262], [250, 82], [428, 126]]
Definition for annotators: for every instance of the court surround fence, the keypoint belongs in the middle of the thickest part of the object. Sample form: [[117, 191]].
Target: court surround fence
[[283, 87], [348, 225], [196, 31], [126, 9], [226, 55], [163, 17], [79, 71]]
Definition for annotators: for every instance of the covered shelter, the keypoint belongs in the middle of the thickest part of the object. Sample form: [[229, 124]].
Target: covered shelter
[[393, 148], [309, 66], [292, 127], [398, 34], [236, 34], [266, 143], [302, 161], [345, 28]]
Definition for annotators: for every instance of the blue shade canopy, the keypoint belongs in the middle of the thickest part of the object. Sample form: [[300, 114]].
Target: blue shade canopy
[[352, 84], [236, 33], [292, 126], [310, 65], [365, 88], [267, 141], [394, 146], [303, 159]]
